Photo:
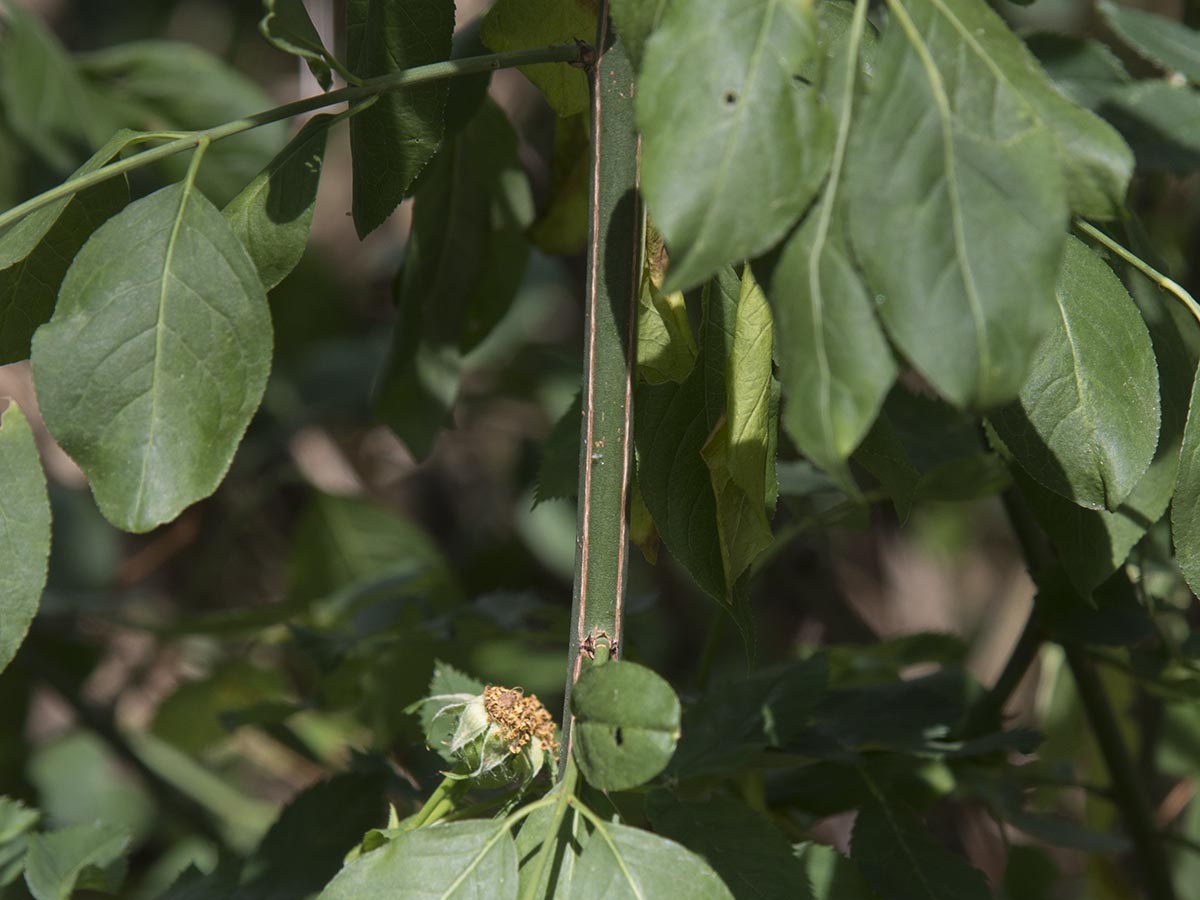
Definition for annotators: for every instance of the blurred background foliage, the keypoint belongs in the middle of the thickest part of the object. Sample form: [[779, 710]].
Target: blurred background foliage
[[186, 685]]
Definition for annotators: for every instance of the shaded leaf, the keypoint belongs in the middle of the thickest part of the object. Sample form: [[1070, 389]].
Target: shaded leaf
[[1185, 506], [626, 724], [45, 102], [561, 228], [36, 252], [635, 21], [273, 213], [972, 232], [456, 282], [1087, 418], [558, 475], [24, 531], [833, 876], [1161, 122], [286, 26], [473, 859], [734, 144], [1164, 41], [520, 24], [902, 861], [156, 85], [439, 730], [399, 134], [750, 855], [1085, 70], [314, 832], [82, 856], [156, 357]]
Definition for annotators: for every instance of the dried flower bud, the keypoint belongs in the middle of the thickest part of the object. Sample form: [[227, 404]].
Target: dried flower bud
[[501, 735]]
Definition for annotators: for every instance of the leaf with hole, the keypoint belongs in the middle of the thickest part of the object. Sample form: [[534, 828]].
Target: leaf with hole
[[734, 144], [626, 724], [156, 356], [24, 531]]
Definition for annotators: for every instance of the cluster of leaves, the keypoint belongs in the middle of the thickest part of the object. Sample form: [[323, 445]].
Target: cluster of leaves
[[861, 235]]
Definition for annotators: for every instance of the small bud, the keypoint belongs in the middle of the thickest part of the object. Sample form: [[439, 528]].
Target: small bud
[[501, 735]]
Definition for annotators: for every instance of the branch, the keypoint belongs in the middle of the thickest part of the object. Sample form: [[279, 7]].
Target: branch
[[371, 87]]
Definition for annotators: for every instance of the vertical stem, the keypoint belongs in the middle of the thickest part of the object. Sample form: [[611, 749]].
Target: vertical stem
[[615, 248], [1127, 790]]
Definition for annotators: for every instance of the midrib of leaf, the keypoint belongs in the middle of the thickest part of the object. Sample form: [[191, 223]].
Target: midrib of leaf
[[188, 185], [602, 829], [501, 831], [1076, 371], [735, 129], [903, 844], [825, 215], [943, 104]]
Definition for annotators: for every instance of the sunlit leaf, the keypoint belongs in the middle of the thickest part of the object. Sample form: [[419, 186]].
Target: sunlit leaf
[[156, 357], [520, 24]]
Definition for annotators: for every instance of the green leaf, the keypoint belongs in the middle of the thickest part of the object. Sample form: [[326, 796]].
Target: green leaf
[[520, 24], [923, 449], [45, 102], [1087, 418], [463, 212], [734, 144], [438, 731], [742, 525], [156, 357], [562, 227], [972, 233], [742, 846], [314, 832], [1168, 43], [461, 860], [558, 878], [665, 348], [82, 856], [15, 819], [1185, 506], [24, 531], [833, 876], [834, 362], [558, 475], [399, 134], [902, 861], [737, 720], [620, 862], [1085, 70], [1161, 122], [748, 376], [273, 213], [156, 85], [635, 21], [29, 281], [286, 26], [626, 724]]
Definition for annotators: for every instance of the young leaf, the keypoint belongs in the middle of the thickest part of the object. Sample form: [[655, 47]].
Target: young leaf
[[834, 362], [742, 846], [665, 347], [561, 228], [623, 863], [1170, 44], [45, 102], [520, 24], [1087, 418], [626, 724], [35, 254], [24, 531], [451, 268], [742, 524], [734, 144], [902, 861], [156, 357], [273, 213], [82, 856], [965, 252], [461, 860], [286, 26], [156, 85]]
